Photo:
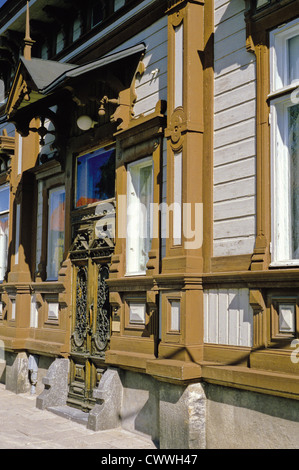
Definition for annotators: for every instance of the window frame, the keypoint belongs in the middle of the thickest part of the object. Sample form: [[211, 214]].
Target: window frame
[[280, 100], [138, 165], [279, 65], [51, 190], [102, 150]]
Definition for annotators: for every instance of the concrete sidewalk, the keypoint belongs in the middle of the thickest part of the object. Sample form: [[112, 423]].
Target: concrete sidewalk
[[23, 426]]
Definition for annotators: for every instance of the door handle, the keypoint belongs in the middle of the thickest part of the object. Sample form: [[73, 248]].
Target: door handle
[[90, 316]]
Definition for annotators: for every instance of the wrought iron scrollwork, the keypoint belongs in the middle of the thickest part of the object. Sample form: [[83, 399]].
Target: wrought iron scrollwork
[[102, 333], [81, 307]]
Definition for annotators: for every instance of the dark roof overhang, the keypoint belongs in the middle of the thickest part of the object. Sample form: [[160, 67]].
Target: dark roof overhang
[[39, 83]]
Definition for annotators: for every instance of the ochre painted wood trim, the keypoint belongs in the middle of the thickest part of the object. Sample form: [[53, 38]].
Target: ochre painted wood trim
[[230, 263]]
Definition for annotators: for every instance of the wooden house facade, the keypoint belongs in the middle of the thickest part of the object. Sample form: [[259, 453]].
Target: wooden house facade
[[149, 264]]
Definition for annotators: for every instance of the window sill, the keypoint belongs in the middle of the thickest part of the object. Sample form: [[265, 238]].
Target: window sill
[[284, 264], [143, 273]]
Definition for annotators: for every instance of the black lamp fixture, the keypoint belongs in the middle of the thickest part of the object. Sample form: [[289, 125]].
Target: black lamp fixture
[[85, 122]]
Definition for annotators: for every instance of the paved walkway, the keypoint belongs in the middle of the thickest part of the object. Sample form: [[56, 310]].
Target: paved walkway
[[23, 426]]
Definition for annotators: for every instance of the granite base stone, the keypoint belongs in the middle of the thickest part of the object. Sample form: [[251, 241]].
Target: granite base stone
[[56, 385]]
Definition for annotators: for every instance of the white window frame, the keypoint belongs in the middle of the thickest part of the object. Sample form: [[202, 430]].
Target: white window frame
[[133, 219], [281, 99], [279, 68], [4, 187]]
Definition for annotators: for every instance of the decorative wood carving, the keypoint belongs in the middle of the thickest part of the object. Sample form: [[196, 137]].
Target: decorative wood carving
[[176, 129]]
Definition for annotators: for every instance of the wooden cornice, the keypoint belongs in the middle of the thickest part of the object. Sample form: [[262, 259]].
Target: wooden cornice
[[7, 143]]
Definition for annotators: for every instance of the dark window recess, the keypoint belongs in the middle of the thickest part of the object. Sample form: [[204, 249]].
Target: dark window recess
[[97, 14]]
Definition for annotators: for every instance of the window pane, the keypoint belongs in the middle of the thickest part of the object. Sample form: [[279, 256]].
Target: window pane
[[294, 175], [293, 48], [139, 217], [3, 245], [118, 4], [76, 29], [4, 199], [95, 177], [261, 3], [97, 13], [59, 42], [55, 232], [44, 52], [145, 219], [2, 91]]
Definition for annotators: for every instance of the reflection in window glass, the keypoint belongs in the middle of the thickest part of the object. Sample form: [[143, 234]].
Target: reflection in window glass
[[293, 48], [4, 210], [59, 42], [118, 4], [294, 157], [76, 29], [95, 177], [56, 223], [4, 199], [44, 52], [139, 216], [2, 91], [261, 3]]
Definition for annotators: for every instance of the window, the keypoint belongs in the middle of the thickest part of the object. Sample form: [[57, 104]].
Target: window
[[47, 149], [284, 105], [76, 29], [95, 177], [56, 222], [261, 3], [59, 41], [2, 91], [139, 218], [44, 51], [97, 13], [118, 4], [4, 212]]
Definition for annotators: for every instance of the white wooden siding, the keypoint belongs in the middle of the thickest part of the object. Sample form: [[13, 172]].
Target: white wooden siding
[[228, 317], [151, 87], [10, 129], [234, 133]]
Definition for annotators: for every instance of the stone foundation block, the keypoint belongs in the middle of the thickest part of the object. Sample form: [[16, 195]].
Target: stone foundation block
[[17, 379], [56, 385], [182, 417], [106, 414]]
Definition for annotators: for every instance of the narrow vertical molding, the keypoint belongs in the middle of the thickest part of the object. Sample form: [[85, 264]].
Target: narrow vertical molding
[[177, 199], [259, 310], [17, 235], [178, 65], [261, 255], [20, 153], [208, 135]]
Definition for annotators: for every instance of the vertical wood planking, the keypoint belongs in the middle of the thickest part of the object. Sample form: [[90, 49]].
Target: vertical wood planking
[[223, 317], [233, 317], [228, 317], [213, 317]]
